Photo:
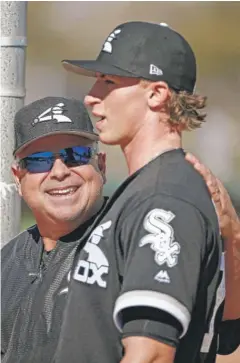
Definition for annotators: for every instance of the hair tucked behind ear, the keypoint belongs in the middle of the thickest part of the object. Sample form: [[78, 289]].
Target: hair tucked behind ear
[[184, 110]]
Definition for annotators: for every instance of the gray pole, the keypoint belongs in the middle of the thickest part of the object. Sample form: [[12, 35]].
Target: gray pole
[[13, 46]]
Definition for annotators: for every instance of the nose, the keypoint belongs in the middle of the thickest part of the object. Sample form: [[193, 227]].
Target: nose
[[94, 95], [90, 100], [59, 171]]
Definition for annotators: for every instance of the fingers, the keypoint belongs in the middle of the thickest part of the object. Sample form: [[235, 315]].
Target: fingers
[[211, 181], [191, 158], [202, 169], [215, 193], [221, 199]]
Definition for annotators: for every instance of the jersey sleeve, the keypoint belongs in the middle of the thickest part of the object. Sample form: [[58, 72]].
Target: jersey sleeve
[[163, 242]]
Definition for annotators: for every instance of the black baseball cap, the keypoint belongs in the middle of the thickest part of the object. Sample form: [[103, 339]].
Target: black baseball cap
[[50, 116], [143, 50]]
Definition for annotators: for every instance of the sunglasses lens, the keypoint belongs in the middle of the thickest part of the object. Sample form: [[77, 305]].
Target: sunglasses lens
[[38, 162], [43, 161], [77, 155]]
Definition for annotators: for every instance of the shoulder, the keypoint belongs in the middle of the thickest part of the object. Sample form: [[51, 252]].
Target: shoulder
[[171, 175], [172, 167], [161, 204], [16, 245], [175, 171], [163, 214]]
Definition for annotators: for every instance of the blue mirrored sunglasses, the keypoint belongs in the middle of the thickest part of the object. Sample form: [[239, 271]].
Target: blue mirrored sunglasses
[[42, 162]]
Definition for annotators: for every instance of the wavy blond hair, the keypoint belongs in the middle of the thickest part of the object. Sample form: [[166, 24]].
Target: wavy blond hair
[[184, 109]]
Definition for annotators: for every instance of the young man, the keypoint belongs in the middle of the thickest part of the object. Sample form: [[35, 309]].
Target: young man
[[159, 233], [60, 176]]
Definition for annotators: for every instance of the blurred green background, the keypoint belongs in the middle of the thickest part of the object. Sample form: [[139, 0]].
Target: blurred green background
[[60, 30]]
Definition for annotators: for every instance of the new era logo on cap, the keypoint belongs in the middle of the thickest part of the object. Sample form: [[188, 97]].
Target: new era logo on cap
[[155, 70], [52, 113], [51, 116], [146, 51]]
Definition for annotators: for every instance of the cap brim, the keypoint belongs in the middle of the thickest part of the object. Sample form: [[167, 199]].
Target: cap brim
[[89, 68], [87, 135]]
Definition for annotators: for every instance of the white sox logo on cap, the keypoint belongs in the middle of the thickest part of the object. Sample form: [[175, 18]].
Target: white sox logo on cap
[[52, 113], [107, 47]]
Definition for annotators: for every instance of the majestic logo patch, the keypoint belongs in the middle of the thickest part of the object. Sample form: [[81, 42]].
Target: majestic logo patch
[[161, 238], [162, 276], [155, 70], [52, 113], [107, 47], [90, 271]]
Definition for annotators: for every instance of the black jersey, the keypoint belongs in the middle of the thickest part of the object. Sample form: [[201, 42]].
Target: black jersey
[[226, 337], [149, 266], [34, 290], [223, 337], [209, 347]]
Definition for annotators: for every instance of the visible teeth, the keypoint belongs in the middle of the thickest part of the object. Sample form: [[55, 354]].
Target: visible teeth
[[63, 191]]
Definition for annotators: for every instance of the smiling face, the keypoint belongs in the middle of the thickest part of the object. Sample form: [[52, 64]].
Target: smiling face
[[120, 104], [65, 194]]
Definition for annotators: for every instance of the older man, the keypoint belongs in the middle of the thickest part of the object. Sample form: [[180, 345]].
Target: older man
[[162, 241], [60, 176]]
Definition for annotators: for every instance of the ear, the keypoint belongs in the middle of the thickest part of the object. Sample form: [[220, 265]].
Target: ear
[[17, 177], [159, 93], [102, 165]]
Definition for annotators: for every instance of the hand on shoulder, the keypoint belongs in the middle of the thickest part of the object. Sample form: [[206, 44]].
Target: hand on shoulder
[[227, 216]]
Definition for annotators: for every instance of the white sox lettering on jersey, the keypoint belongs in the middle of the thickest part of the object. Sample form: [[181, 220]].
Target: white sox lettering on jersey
[[161, 238], [91, 271]]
